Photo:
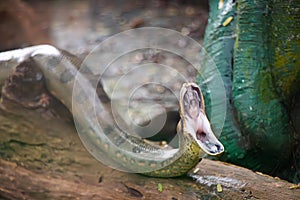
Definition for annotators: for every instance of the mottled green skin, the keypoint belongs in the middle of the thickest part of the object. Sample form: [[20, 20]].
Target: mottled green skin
[[260, 112], [190, 158], [219, 43], [257, 55]]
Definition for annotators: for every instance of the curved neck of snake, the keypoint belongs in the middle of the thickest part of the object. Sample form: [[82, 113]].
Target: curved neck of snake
[[95, 123]]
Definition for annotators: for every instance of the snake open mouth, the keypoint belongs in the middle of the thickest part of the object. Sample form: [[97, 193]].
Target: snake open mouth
[[197, 123], [201, 136]]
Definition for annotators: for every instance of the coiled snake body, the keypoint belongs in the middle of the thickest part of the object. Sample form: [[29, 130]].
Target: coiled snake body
[[98, 130]]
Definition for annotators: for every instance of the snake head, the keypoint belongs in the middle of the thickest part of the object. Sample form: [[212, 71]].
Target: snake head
[[195, 121]]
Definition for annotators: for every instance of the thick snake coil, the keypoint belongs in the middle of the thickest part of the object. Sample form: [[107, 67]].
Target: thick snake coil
[[100, 133], [255, 46]]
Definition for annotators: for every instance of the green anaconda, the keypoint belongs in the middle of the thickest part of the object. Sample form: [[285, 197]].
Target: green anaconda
[[101, 134]]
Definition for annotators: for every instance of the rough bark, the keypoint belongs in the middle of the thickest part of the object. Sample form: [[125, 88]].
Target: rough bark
[[43, 158]]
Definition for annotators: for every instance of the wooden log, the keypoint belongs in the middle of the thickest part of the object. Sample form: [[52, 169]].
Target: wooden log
[[43, 158]]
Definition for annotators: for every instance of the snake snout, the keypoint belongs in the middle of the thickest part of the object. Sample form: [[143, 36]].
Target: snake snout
[[209, 143], [216, 149]]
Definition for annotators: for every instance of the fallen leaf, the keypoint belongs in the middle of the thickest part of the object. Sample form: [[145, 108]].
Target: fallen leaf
[[295, 187], [219, 187], [159, 187]]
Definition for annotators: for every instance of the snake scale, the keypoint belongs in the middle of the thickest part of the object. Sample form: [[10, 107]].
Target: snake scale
[[97, 128]]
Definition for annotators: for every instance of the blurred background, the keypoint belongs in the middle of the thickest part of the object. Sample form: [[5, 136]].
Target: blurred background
[[77, 26]]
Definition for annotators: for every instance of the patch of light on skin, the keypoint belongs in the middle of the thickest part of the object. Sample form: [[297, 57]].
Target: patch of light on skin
[[22, 54], [46, 50], [7, 56], [166, 155], [170, 153], [19, 55], [10, 59]]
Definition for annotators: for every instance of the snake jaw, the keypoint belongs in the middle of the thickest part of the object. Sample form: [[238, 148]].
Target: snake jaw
[[205, 136], [195, 120]]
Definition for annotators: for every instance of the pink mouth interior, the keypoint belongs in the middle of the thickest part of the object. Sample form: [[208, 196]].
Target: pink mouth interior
[[193, 106], [201, 136]]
